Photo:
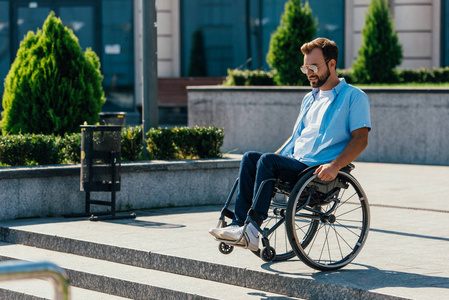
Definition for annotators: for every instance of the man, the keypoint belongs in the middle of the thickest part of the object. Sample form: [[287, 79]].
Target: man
[[331, 131]]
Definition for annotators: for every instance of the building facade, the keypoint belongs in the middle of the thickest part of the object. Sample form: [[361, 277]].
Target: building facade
[[421, 26], [235, 34]]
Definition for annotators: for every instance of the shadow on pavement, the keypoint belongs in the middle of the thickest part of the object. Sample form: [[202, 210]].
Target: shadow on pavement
[[369, 279], [373, 278], [140, 223]]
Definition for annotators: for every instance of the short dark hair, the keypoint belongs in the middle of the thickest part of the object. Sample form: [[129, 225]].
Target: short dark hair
[[329, 48]]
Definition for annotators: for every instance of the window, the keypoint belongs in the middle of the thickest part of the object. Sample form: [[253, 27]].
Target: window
[[237, 33], [5, 53]]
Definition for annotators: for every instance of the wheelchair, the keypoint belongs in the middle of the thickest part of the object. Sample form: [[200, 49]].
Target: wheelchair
[[324, 223]]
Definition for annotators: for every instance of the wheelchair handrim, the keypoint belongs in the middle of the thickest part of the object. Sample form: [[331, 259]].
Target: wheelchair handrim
[[301, 253]]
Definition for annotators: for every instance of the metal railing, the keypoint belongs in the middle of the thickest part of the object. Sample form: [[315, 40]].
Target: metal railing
[[16, 270]]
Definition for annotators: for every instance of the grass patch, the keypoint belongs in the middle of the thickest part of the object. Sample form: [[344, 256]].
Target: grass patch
[[405, 85]]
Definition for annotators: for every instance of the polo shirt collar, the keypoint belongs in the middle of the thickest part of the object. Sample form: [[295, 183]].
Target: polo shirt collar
[[337, 89]]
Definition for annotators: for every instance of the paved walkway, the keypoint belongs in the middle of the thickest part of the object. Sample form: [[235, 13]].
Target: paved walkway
[[406, 254]]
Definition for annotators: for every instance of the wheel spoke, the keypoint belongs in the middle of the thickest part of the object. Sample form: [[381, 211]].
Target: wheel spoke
[[348, 228], [337, 239], [349, 211], [343, 239], [344, 202], [315, 238]]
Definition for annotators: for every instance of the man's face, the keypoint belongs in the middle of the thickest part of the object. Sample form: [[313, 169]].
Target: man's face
[[316, 58]]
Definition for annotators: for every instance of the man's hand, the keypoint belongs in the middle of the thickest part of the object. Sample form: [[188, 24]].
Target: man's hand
[[327, 172], [356, 145]]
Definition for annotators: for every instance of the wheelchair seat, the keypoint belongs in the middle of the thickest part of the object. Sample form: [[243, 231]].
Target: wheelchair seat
[[287, 179]]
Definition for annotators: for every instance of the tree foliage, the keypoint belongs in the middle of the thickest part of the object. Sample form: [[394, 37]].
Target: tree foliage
[[52, 86], [197, 64], [380, 51], [296, 27]]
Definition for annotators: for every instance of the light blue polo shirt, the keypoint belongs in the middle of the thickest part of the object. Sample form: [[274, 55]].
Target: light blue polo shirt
[[348, 111]]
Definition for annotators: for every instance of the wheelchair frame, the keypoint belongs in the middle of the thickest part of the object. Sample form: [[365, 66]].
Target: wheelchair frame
[[311, 220]]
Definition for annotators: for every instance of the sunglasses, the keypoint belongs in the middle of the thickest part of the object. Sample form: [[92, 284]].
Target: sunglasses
[[312, 68]]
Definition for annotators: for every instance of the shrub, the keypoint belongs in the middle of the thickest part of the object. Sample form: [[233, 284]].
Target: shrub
[[183, 142], [422, 75], [29, 149], [380, 52], [160, 143], [348, 75], [132, 143], [297, 27], [70, 148], [52, 86], [167, 143], [208, 141], [441, 74], [199, 142], [248, 77]]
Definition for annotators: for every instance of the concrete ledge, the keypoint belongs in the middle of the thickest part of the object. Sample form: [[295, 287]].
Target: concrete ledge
[[55, 190], [409, 125]]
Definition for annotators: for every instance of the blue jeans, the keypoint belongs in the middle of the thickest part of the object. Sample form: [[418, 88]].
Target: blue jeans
[[255, 167]]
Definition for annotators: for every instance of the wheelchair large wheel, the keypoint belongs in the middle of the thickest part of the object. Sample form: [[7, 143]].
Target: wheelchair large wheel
[[278, 238], [342, 211]]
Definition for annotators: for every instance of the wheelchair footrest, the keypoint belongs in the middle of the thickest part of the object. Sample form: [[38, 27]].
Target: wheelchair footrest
[[227, 213], [255, 217]]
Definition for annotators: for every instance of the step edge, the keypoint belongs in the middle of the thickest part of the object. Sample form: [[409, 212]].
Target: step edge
[[243, 277]]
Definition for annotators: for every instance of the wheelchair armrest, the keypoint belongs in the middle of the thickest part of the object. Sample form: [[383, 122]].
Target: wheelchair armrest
[[348, 168], [289, 183]]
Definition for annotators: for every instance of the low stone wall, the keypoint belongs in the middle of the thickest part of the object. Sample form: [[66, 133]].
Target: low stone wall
[[408, 125], [55, 190]]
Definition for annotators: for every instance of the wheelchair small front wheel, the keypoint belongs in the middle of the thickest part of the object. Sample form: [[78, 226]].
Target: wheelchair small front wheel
[[268, 254], [225, 248]]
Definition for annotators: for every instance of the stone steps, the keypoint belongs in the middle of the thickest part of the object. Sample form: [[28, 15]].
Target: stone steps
[[137, 274], [107, 277], [176, 240], [166, 243], [35, 289]]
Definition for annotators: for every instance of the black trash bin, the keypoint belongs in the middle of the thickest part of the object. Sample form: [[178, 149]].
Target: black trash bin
[[100, 166], [112, 118]]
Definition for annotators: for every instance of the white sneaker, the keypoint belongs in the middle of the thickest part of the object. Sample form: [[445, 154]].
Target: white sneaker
[[217, 232], [249, 240]]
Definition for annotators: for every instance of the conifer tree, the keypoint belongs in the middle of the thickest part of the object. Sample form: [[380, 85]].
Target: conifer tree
[[297, 27], [197, 64], [52, 86], [380, 51]]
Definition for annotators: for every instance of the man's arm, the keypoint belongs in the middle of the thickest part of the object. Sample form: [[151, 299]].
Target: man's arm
[[353, 149], [278, 151]]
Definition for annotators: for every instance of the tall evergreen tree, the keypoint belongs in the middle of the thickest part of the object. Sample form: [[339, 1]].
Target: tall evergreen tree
[[197, 64], [380, 51], [296, 27], [52, 86]]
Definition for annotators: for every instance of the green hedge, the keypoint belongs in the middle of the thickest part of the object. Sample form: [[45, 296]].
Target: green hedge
[[132, 144], [29, 149], [247, 77], [439, 75], [167, 143], [184, 143]]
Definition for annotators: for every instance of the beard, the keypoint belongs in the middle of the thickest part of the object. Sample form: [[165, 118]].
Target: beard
[[320, 79]]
